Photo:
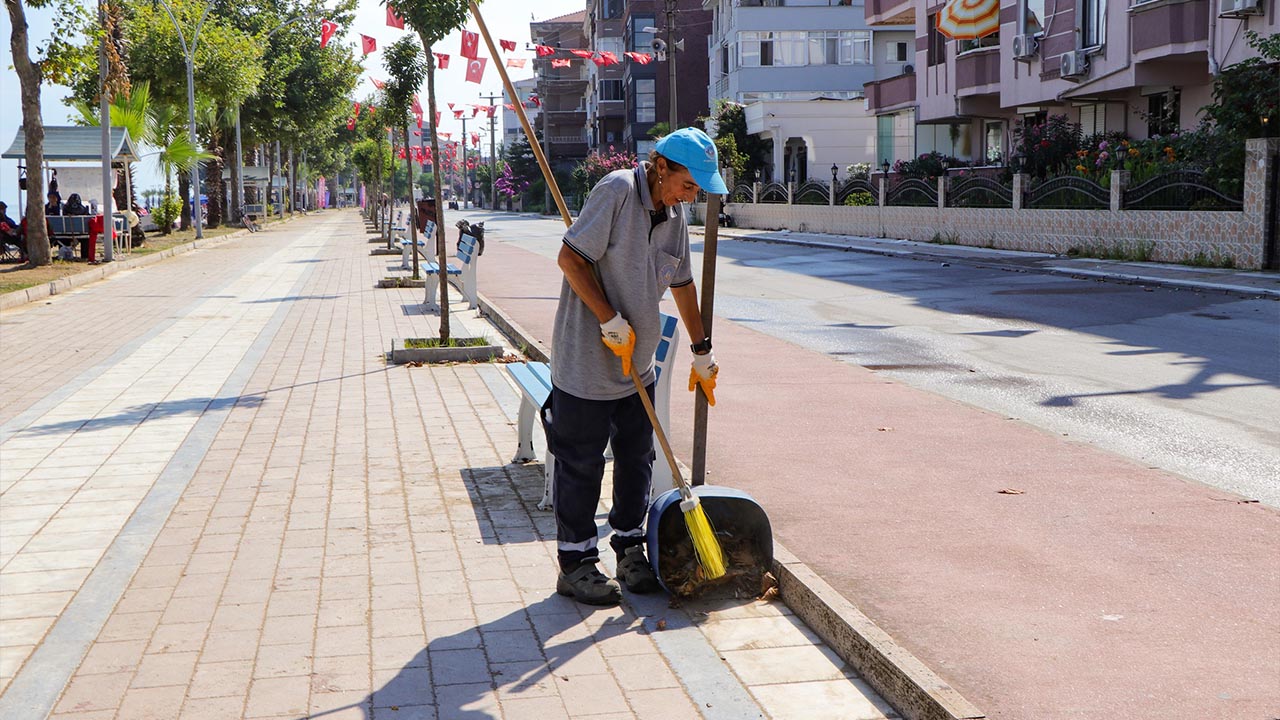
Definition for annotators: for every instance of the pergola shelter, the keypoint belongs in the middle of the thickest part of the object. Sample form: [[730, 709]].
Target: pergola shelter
[[76, 151]]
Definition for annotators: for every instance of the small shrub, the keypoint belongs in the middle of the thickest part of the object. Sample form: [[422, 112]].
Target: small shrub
[[1137, 251], [859, 171], [861, 198], [167, 212]]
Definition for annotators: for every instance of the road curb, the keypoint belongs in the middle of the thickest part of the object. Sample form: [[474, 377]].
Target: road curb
[[914, 690], [1076, 273], [101, 272]]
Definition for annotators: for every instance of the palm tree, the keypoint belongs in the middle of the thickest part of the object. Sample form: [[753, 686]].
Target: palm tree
[[213, 122], [176, 153]]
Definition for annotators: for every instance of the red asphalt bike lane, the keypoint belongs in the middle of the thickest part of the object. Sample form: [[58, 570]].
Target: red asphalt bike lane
[[1105, 590]]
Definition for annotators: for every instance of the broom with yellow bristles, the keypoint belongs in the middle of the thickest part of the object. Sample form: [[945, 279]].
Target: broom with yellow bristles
[[705, 544]]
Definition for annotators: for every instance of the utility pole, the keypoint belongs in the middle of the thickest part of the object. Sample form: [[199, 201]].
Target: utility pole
[[671, 62], [493, 158]]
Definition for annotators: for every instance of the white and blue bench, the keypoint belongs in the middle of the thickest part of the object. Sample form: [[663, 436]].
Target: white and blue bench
[[534, 381], [406, 260], [468, 253]]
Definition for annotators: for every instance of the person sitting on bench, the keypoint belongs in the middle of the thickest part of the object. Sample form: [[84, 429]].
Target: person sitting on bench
[[11, 233]]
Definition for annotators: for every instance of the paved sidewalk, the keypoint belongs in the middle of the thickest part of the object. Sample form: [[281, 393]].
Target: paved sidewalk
[[1041, 577], [1247, 283], [225, 504]]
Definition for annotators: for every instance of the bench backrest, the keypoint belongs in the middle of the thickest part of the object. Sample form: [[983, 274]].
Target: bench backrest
[[69, 224], [665, 353], [466, 248]]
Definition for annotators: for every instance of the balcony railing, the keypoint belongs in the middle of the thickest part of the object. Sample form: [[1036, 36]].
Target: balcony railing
[[977, 68], [891, 92]]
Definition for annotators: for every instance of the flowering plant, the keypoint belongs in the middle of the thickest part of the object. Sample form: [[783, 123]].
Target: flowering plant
[[597, 165], [508, 184]]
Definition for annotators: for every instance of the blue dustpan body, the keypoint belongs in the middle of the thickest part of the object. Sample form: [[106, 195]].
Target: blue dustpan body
[[732, 512]]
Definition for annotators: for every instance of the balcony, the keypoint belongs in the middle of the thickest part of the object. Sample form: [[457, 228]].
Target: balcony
[[890, 94], [1162, 28], [978, 72], [881, 13]]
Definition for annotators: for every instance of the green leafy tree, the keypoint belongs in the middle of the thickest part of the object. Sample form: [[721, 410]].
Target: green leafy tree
[[54, 61], [405, 68], [433, 21], [731, 120]]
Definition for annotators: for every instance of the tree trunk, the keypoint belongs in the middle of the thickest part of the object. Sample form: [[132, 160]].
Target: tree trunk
[[237, 199], [33, 134], [441, 258], [184, 190], [213, 179]]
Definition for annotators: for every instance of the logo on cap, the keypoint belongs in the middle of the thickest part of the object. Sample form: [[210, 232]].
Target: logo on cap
[[711, 153]]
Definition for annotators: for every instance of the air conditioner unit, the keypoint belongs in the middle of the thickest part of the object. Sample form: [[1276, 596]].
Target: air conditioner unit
[[1239, 8], [1024, 47], [908, 69], [1073, 65]]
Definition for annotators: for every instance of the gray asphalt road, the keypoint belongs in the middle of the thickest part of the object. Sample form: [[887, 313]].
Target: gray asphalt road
[[1180, 380]]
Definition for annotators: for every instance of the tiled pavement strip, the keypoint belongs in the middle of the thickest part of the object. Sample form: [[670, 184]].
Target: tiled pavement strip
[[346, 539]]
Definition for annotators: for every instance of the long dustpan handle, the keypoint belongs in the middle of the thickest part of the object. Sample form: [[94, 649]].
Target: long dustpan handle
[[709, 245]]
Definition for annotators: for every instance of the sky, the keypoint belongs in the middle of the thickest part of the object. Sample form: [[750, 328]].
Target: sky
[[506, 20]]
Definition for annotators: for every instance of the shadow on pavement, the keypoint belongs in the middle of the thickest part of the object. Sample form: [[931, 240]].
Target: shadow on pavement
[[139, 414], [505, 500]]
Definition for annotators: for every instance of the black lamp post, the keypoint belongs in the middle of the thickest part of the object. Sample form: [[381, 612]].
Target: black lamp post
[[835, 170], [884, 165]]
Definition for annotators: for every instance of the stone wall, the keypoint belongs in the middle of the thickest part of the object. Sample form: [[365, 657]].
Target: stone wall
[[1174, 235]]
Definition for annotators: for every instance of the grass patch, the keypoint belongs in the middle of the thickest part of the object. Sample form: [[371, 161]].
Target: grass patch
[[949, 238], [1136, 251], [453, 342], [1209, 260]]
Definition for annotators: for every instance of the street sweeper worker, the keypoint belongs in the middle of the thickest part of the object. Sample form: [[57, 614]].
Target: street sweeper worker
[[632, 233]]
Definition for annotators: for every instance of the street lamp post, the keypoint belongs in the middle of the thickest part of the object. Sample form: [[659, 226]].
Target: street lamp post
[[104, 122], [188, 52], [671, 62]]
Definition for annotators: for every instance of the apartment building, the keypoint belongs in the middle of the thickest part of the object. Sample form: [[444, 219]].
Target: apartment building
[[525, 90], [562, 91], [606, 97], [800, 67], [648, 87], [1142, 68]]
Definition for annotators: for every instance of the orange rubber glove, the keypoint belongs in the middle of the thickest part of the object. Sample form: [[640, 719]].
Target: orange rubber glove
[[704, 373], [618, 336]]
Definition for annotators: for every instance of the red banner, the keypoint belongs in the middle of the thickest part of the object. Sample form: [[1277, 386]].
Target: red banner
[[507, 45], [470, 44], [584, 54], [442, 61], [642, 58], [327, 29], [394, 20], [516, 62], [367, 44], [545, 50], [377, 83], [561, 62]]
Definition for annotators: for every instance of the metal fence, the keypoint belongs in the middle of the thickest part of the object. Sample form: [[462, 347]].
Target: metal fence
[[912, 192], [813, 192], [775, 193], [1068, 192], [1179, 190], [979, 192], [856, 185]]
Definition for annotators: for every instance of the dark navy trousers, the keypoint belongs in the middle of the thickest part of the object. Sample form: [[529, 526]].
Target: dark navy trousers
[[578, 433]]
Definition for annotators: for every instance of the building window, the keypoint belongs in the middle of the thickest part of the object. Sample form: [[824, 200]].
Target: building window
[[884, 141], [610, 90], [937, 48], [1035, 17], [1093, 119], [1093, 23], [993, 142], [790, 49], [612, 9], [896, 52], [992, 40], [645, 92], [644, 147], [1163, 113], [611, 44], [724, 60], [855, 47], [641, 41], [824, 47]]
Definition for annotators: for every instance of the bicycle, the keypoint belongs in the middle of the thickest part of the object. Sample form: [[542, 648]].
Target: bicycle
[[249, 221]]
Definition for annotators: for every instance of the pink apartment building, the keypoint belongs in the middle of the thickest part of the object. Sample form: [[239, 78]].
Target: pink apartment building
[[1139, 67]]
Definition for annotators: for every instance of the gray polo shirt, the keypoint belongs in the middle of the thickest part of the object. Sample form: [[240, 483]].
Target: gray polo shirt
[[639, 254]]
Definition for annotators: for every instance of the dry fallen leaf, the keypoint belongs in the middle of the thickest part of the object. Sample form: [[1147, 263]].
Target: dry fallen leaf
[[885, 429], [1010, 491], [768, 586], [662, 625]]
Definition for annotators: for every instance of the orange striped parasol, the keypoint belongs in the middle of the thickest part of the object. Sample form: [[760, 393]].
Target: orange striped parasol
[[969, 19]]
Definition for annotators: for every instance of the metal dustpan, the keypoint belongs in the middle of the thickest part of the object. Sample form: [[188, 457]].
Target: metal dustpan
[[741, 526]]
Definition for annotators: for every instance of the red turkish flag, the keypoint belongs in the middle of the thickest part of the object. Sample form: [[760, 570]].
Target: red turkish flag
[[608, 58], [327, 29], [372, 110], [642, 58], [438, 114], [561, 63], [475, 139], [598, 60], [516, 62], [492, 110], [450, 106], [394, 20], [507, 45], [470, 44], [584, 54], [378, 83], [442, 61], [509, 106], [367, 44], [457, 114], [351, 124], [544, 50], [475, 70], [357, 110], [417, 133], [537, 101], [416, 108], [475, 110]]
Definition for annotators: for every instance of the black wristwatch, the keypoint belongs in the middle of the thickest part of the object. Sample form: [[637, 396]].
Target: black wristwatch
[[701, 348]]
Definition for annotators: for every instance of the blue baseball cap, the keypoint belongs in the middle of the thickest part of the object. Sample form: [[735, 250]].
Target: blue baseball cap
[[693, 149]]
